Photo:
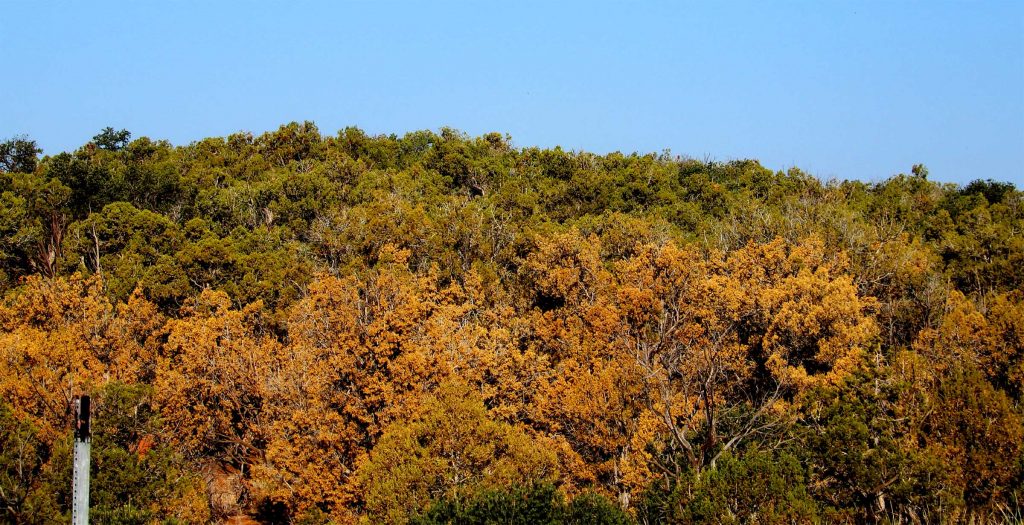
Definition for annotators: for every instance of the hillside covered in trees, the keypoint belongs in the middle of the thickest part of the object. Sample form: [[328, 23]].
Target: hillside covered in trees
[[439, 328]]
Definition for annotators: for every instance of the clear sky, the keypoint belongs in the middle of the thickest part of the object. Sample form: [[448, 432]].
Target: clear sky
[[840, 89]]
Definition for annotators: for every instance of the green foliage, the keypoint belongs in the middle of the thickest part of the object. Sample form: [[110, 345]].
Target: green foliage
[[863, 466], [33, 217], [136, 476], [540, 504], [752, 486], [137, 473], [112, 140], [993, 191], [25, 494], [452, 449], [980, 434], [19, 155]]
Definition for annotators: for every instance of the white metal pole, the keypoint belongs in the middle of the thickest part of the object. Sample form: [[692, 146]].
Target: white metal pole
[[83, 444]]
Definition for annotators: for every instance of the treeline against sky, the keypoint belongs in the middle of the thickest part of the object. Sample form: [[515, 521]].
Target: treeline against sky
[[439, 328]]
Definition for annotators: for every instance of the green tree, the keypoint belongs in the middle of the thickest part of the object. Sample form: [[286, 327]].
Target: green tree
[[25, 495], [751, 486], [452, 449], [19, 155], [540, 504], [112, 140]]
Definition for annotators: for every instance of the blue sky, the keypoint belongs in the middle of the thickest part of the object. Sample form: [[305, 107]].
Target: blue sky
[[840, 89]]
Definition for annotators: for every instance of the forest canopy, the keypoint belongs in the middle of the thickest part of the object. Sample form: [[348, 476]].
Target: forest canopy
[[438, 328]]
